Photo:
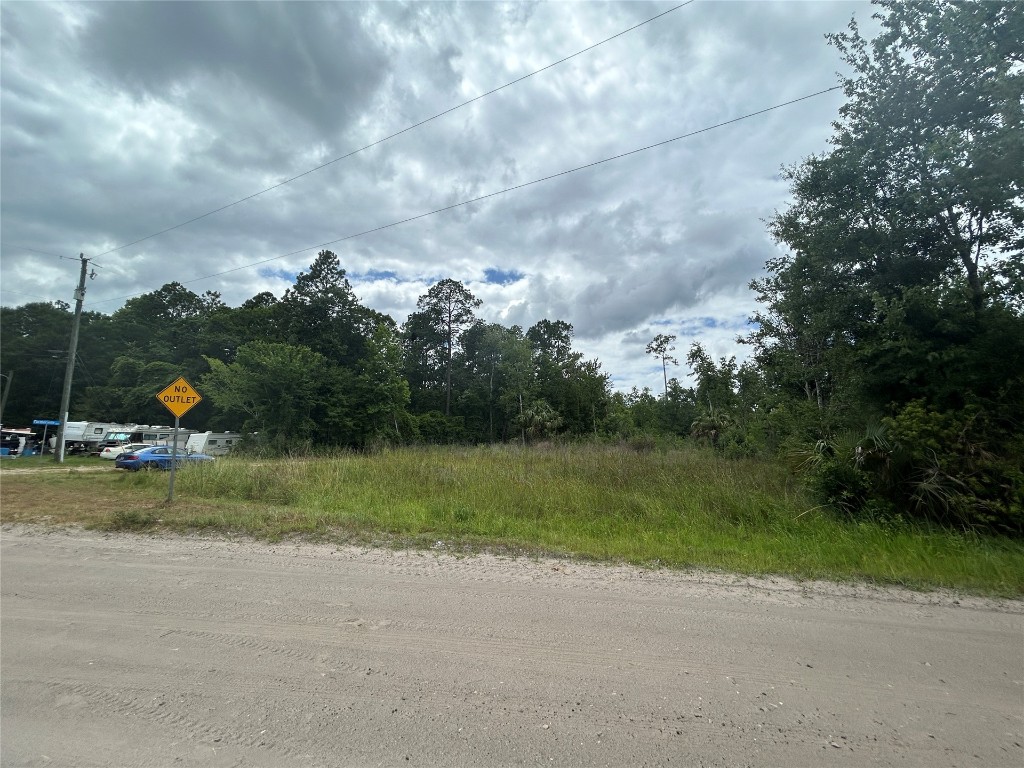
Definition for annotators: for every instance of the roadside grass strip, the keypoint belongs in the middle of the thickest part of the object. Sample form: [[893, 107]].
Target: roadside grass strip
[[680, 508]]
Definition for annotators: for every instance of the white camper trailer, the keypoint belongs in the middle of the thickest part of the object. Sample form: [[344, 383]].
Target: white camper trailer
[[213, 443], [87, 436], [146, 433]]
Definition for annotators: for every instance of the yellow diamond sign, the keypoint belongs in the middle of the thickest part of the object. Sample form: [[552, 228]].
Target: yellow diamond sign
[[179, 397]]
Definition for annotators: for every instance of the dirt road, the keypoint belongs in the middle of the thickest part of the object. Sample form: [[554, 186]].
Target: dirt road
[[154, 651]]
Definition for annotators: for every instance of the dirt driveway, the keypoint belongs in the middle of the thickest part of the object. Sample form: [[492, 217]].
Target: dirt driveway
[[156, 651]]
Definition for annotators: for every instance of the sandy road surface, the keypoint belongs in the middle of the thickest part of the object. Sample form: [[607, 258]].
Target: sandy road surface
[[125, 651]]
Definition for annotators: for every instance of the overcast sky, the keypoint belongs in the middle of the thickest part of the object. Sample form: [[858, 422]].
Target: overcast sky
[[120, 120]]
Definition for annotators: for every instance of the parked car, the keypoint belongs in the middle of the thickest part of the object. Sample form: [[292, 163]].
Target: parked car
[[158, 457], [113, 451]]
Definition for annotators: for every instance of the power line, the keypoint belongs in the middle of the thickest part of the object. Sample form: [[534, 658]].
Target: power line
[[54, 255], [22, 293], [501, 191], [47, 253], [399, 133]]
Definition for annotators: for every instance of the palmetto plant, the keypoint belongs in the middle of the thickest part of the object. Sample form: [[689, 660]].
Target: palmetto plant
[[539, 420], [924, 464], [934, 492], [711, 424], [845, 468]]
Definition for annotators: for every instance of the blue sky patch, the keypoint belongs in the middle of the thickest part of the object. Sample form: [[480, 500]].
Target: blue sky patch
[[502, 277], [696, 326], [373, 275], [280, 274]]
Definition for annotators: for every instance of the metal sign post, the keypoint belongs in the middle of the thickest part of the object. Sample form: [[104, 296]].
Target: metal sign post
[[179, 399], [174, 459]]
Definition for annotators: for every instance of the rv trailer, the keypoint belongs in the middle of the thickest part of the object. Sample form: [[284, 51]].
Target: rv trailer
[[213, 443], [146, 433]]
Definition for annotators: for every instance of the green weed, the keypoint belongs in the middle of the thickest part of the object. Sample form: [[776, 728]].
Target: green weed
[[679, 508]]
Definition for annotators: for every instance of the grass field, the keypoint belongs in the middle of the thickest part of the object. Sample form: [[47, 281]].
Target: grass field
[[677, 509]]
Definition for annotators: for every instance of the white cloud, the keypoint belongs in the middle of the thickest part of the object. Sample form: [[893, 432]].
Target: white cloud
[[120, 120]]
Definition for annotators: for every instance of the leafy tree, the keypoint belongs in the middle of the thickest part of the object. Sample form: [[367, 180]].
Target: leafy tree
[[661, 347], [552, 340], [424, 362], [806, 334], [130, 394], [500, 365], [280, 390], [321, 312], [225, 329], [903, 288], [168, 324], [926, 174], [618, 419], [33, 351], [643, 410], [575, 388], [716, 382], [385, 392], [444, 312], [678, 408], [586, 398], [516, 383], [919, 197]]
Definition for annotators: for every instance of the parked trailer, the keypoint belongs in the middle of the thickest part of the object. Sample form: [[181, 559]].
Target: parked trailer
[[213, 443], [87, 436], [146, 433]]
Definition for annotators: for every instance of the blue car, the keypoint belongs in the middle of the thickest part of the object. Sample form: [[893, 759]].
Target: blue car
[[157, 457]]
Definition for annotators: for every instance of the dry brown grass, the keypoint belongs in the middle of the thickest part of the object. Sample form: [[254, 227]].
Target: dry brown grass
[[81, 496]]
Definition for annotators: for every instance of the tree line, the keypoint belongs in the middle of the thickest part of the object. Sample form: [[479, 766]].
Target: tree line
[[314, 367], [887, 356]]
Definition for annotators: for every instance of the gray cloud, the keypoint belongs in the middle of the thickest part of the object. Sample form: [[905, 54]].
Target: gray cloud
[[316, 62], [122, 119]]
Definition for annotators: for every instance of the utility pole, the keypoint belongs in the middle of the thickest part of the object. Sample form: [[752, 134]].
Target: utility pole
[[69, 372], [7, 391]]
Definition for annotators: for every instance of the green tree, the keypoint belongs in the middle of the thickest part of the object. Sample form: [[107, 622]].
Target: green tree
[[552, 340], [678, 409], [499, 363], [926, 174], [716, 382], [281, 391], [424, 362], [920, 196], [443, 313], [516, 382], [805, 339], [33, 350], [903, 288], [385, 392], [576, 389], [643, 410], [662, 347], [167, 325], [321, 312]]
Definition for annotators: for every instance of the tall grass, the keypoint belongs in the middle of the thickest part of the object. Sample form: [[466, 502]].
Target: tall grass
[[676, 508]]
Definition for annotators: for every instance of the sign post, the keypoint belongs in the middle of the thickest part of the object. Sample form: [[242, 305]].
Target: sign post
[[179, 398]]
